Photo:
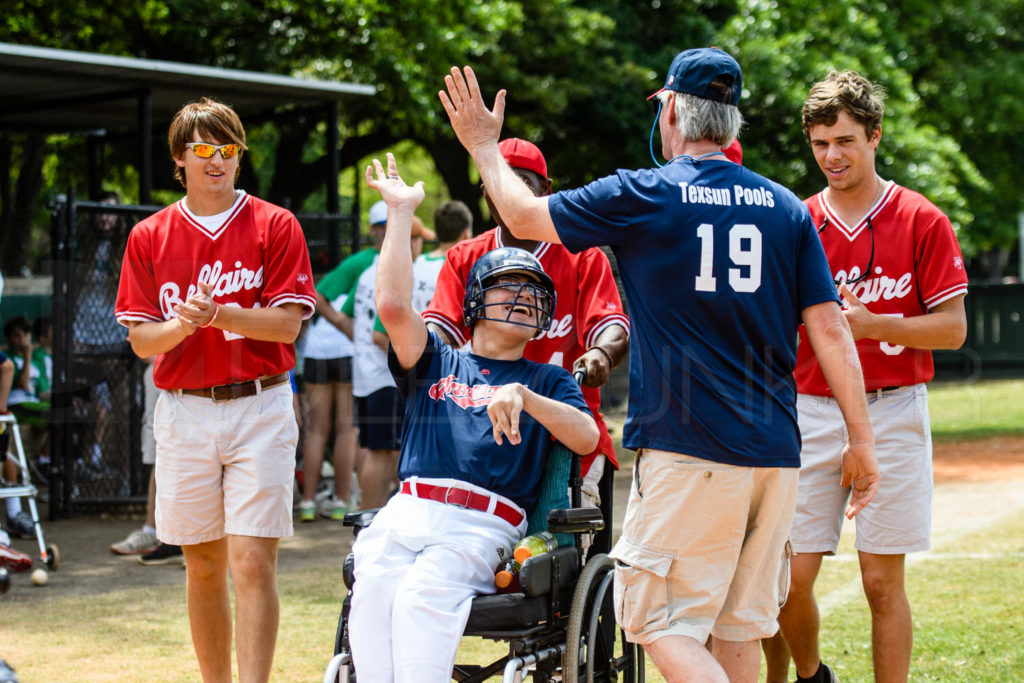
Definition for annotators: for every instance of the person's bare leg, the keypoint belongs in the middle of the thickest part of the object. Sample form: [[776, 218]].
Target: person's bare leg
[[318, 429], [892, 628], [741, 661], [10, 468], [799, 619], [776, 655], [151, 500], [344, 441], [209, 608], [257, 611], [680, 659], [378, 477]]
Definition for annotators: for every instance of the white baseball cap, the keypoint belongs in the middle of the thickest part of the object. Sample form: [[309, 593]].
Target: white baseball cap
[[379, 213]]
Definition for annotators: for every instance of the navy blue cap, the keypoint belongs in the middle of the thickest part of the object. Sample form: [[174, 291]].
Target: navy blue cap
[[693, 70]]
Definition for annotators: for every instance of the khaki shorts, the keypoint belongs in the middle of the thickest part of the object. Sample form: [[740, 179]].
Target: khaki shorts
[[150, 396], [703, 549], [224, 467], [898, 519]]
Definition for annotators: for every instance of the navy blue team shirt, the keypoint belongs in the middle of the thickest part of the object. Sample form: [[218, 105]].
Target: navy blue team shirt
[[447, 434], [717, 263]]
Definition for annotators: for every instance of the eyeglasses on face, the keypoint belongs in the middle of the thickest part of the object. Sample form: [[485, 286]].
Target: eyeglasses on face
[[205, 150]]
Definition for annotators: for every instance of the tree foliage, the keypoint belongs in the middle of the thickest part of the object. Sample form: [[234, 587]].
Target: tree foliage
[[577, 73]]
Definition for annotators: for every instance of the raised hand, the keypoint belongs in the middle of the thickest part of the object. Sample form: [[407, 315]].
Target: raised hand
[[390, 185], [474, 124]]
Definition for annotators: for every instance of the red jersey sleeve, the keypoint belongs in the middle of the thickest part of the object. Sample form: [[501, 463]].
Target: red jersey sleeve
[[287, 273], [940, 271], [445, 308], [599, 304], [137, 298]]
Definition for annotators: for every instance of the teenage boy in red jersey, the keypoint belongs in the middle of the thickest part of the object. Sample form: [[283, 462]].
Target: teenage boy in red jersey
[[216, 286]]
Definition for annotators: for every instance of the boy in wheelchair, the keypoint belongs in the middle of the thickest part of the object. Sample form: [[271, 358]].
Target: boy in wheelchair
[[477, 426]]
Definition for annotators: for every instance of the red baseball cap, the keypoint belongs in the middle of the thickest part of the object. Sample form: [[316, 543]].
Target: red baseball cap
[[522, 154]]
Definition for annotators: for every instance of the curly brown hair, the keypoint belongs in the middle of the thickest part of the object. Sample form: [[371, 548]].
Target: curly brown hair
[[844, 91], [213, 120]]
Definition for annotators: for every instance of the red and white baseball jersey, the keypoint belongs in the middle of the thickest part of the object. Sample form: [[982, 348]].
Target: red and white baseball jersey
[[916, 266], [255, 258], [587, 302]]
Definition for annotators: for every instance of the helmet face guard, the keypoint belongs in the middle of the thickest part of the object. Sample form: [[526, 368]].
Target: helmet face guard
[[489, 273]]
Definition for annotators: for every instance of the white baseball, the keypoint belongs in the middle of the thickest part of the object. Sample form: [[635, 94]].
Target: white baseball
[[40, 577]]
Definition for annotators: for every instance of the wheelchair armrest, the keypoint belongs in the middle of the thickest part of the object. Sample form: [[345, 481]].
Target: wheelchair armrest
[[348, 571], [360, 519], [539, 573], [575, 520]]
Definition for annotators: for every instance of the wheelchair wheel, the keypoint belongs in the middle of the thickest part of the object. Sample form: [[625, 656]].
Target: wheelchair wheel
[[596, 648], [340, 669]]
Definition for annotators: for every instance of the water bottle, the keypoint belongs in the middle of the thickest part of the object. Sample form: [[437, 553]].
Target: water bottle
[[534, 544], [506, 580]]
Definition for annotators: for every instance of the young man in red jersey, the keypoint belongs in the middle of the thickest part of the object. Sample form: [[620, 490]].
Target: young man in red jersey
[[898, 266], [216, 287]]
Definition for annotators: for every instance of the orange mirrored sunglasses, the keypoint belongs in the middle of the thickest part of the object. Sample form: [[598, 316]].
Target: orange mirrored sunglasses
[[205, 150]]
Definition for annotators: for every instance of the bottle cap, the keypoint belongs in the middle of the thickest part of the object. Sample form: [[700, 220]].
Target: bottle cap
[[503, 579]]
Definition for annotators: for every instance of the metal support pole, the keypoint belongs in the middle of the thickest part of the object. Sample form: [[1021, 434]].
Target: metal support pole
[[145, 147], [93, 149], [333, 173], [1020, 247]]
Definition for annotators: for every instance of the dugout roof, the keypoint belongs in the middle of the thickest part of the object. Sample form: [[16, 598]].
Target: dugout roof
[[65, 91], [45, 90]]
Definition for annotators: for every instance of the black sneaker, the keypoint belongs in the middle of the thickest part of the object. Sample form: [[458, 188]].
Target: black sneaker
[[20, 525], [164, 554], [822, 675]]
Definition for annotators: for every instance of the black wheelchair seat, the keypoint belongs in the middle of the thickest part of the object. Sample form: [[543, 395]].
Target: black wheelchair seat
[[539, 575]]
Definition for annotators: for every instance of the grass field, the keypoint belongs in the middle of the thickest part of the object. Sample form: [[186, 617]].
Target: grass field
[[966, 596], [976, 409]]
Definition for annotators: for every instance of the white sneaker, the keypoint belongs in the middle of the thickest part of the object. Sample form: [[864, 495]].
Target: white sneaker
[[307, 511], [325, 507], [138, 543]]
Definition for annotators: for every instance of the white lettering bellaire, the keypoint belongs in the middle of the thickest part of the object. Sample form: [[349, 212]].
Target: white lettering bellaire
[[222, 282]]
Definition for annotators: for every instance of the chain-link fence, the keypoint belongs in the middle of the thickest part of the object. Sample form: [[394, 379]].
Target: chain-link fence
[[97, 395]]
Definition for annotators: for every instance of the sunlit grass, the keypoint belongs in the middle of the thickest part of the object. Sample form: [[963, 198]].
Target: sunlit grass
[[976, 409]]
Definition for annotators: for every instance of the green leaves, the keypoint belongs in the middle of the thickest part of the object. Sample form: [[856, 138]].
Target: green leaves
[[577, 74]]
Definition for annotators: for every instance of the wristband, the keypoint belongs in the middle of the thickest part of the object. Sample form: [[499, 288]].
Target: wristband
[[611, 363], [214, 316]]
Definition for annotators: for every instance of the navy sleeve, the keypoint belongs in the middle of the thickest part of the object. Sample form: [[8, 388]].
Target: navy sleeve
[[559, 385], [407, 380], [814, 277], [597, 214]]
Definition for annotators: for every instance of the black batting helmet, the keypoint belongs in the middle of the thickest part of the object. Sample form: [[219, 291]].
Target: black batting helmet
[[509, 261]]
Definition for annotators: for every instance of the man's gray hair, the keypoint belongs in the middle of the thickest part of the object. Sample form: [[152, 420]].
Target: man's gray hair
[[701, 119]]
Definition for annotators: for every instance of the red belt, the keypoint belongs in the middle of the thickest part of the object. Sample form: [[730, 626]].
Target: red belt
[[463, 498], [227, 392]]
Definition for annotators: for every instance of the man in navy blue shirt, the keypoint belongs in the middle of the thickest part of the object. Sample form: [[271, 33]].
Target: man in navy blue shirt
[[720, 267], [475, 436]]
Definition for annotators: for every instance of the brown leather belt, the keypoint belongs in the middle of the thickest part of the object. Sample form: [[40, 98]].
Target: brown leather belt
[[229, 392], [463, 498]]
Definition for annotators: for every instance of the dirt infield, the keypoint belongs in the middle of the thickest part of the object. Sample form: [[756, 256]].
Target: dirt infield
[[996, 459], [973, 479]]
